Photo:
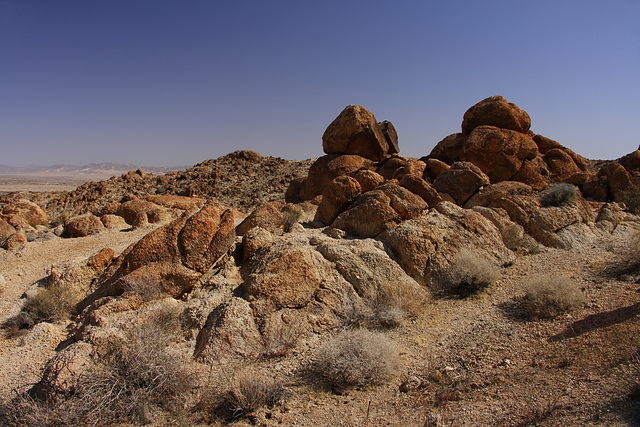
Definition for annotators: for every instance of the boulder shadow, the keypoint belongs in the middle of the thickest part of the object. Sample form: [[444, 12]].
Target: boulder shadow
[[598, 321]]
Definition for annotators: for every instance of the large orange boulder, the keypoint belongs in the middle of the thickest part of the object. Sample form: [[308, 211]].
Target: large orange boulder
[[83, 225], [496, 111], [499, 153], [617, 179], [356, 131], [268, 216], [339, 194], [448, 150], [323, 171]]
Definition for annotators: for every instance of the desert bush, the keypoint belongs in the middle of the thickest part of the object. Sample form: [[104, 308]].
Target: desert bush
[[469, 273], [632, 200], [390, 308], [290, 217], [136, 374], [51, 304], [147, 287], [548, 296], [59, 219], [250, 392], [559, 194], [357, 358]]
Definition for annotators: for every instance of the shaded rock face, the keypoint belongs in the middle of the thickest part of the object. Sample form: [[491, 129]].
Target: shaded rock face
[[339, 194], [426, 245], [461, 181], [356, 131], [617, 179], [496, 111], [171, 258]]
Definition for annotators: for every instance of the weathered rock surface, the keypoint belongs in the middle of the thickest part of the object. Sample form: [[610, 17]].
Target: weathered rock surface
[[426, 245], [83, 225], [461, 181], [356, 131], [496, 111], [267, 216], [340, 193]]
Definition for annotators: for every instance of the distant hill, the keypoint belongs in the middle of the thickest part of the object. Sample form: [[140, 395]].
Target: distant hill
[[90, 169]]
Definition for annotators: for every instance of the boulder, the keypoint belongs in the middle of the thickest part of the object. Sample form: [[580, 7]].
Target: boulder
[[499, 153], [15, 242], [83, 225], [618, 180], [533, 172], [631, 161], [27, 212], [546, 222], [268, 216], [398, 166], [421, 188], [434, 168], [390, 135], [461, 181], [596, 189], [448, 150], [6, 230], [135, 208], [496, 111], [326, 169], [176, 202], [111, 222], [378, 210], [356, 131], [560, 164], [368, 179], [172, 258], [426, 245], [546, 144], [254, 240], [340, 193]]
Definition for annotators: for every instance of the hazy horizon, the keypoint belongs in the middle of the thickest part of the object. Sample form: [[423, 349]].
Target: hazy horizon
[[176, 83]]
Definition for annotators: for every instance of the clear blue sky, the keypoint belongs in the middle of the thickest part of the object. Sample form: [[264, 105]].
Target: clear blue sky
[[178, 82]]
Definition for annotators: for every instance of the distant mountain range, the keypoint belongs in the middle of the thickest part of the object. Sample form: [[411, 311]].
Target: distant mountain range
[[90, 169]]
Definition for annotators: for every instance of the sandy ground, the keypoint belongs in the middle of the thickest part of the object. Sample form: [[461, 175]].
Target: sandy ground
[[479, 361]]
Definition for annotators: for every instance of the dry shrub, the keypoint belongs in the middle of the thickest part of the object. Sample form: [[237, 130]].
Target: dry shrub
[[147, 287], [469, 273], [250, 392], [548, 296], [632, 200], [52, 304], [559, 194], [391, 307], [290, 217], [136, 374], [357, 358]]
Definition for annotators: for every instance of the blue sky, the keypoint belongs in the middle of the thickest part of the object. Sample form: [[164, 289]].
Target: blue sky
[[178, 82]]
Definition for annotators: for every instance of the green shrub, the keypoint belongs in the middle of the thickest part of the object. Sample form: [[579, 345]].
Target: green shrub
[[548, 296], [357, 358], [559, 194], [469, 273]]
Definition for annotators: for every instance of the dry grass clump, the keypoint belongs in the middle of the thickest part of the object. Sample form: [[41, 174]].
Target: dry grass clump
[[391, 307], [290, 217], [548, 296], [250, 392], [469, 273], [52, 304], [136, 375], [559, 194], [357, 358]]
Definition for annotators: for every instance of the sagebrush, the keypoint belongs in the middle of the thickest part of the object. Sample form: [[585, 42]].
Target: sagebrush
[[559, 194], [547, 296], [469, 273], [357, 358]]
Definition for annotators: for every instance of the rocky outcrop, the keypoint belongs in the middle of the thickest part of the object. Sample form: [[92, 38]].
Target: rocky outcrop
[[426, 245], [172, 258], [23, 213]]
